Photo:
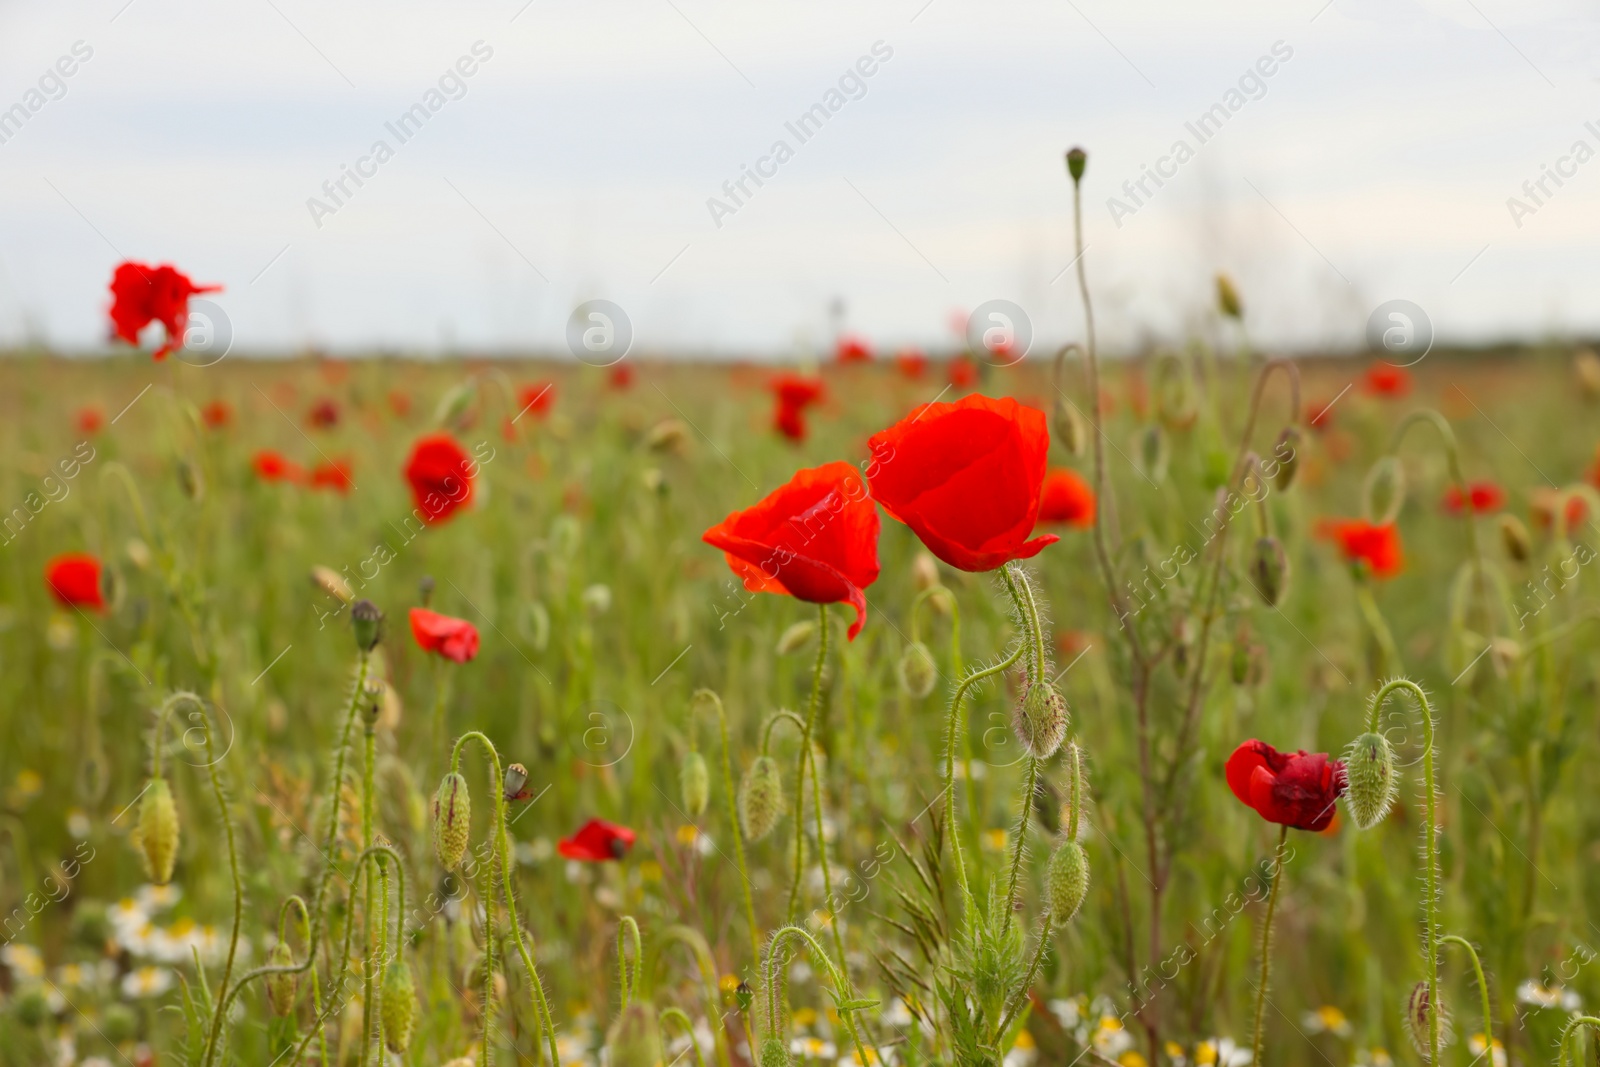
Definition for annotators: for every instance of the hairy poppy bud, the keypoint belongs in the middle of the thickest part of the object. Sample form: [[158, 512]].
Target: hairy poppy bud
[[1068, 881], [190, 479], [1384, 491], [1069, 427], [367, 622], [694, 780], [1228, 298], [1040, 720], [515, 779], [1420, 1017], [635, 1038], [452, 817], [1077, 158], [761, 802], [1269, 569], [774, 1054], [398, 1006], [1153, 453], [924, 571], [281, 987], [157, 837], [1287, 455], [917, 670], [1514, 536], [1371, 787], [796, 637]]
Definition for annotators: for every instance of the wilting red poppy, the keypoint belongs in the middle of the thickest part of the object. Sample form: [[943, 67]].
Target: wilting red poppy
[[963, 372], [91, 419], [141, 295], [74, 578], [1480, 497], [324, 414], [1066, 498], [620, 377], [815, 539], [1385, 379], [1295, 789], [911, 363], [597, 841], [454, 639], [1378, 547], [851, 349], [332, 474], [794, 394], [217, 414], [273, 466], [966, 477], [440, 475]]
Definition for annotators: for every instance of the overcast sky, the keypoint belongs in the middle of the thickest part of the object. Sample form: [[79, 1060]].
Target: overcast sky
[[581, 157]]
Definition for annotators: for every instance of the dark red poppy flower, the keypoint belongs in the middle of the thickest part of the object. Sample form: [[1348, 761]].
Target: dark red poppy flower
[[1480, 498], [596, 842], [1375, 546], [1295, 789], [620, 377], [815, 539], [1067, 498], [91, 419], [1387, 380], [324, 414], [440, 474], [851, 349], [963, 372], [911, 363], [217, 414], [333, 474], [966, 477], [793, 394], [141, 295], [74, 578], [273, 466], [454, 639], [536, 399]]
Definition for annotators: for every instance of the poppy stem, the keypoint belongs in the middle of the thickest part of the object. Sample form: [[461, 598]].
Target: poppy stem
[[841, 986], [1266, 944], [1483, 990], [733, 820], [1567, 1032], [368, 1014], [1039, 948], [954, 727], [800, 767], [214, 1040], [1022, 829]]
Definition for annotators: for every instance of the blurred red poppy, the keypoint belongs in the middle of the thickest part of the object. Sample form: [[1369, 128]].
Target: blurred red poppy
[[1387, 380], [963, 372], [400, 402], [91, 419], [324, 414], [1480, 497], [333, 474], [1295, 789], [966, 477], [1545, 501], [536, 399], [815, 539], [620, 377], [911, 363], [1319, 414], [273, 466], [217, 414], [851, 349], [794, 394], [440, 475], [141, 295], [597, 841], [1375, 546], [74, 578], [1067, 498], [454, 639]]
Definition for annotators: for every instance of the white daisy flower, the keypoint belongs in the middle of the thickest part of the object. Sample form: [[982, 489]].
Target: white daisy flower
[[146, 982], [24, 960]]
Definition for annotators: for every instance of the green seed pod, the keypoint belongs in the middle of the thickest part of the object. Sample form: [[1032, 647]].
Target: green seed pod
[[1420, 1016], [1514, 536], [796, 637], [1269, 569], [634, 1039], [281, 988], [694, 780], [917, 670], [398, 1006], [514, 781], [761, 801], [1286, 453], [774, 1053], [1077, 158], [744, 996], [157, 838], [1384, 491], [1371, 786], [452, 818], [366, 621], [118, 1023], [1068, 881], [1228, 298], [1040, 720]]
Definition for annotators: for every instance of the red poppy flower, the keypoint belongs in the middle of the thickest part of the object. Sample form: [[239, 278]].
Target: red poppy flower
[[815, 539], [536, 399], [1387, 380], [852, 349], [275, 467], [597, 841], [911, 363], [1480, 497], [794, 394], [1319, 415], [454, 639], [332, 474], [324, 414], [1296, 789], [621, 377], [966, 477], [1360, 541], [141, 295], [963, 372], [1067, 498], [217, 414], [74, 578], [91, 419], [440, 475]]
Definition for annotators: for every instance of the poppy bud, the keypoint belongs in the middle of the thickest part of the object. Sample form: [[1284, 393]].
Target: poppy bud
[[917, 670], [516, 776], [157, 833], [1228, 298], [1287, 454], [1420, 1013], [666, 436], [635, 1038], [796, 637], [774, 1054], [924, 571], [281, 987], [1069, 428], [1153, 453], [761, 802], [1040, 720], [332, 582], [1076, 159], [452, 817], [190, 480], [1514, 535], [1068, 881], [1384, 491], [694, 780], [367, 622], [1371, 787], [398, 1007], [1269, 570]]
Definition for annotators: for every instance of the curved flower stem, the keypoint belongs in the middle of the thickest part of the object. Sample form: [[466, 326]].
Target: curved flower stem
[[628, 933], [1564, 1044], [733, 823], [677, 1016], [1483, 989], [840, 982], [696, 942], [486, 896], [1022, 592], [335, 1003], [1266, 945], [1430, 900], [954, 729], [803, 759], [338, 788]]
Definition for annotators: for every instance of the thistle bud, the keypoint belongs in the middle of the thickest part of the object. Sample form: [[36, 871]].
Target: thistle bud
[[398, 1006], [917, 670], [1514, 536], [367, 622], [157, 833], [1287, 454], [1068, 881], [1040, 720], [761, 802], [634, 1039], [694, 781], [796, 637], [452, 817], [1269, 570], [1371, 784], [516, 777], [281, 987], [1421, 1015], [1228, 298], [1077, 158], [332, 582], [1384, 491]]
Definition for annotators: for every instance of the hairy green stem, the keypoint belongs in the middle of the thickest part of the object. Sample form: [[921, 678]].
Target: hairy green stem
[[1483, 990], [733, 822], [1266, 946], [804, 758]]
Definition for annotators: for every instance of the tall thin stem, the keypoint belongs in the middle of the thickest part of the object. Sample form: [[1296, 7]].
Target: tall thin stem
[[213, 1041], [954, 729], [733, 822], [803, 759], [1266, 945], [1483, 990]]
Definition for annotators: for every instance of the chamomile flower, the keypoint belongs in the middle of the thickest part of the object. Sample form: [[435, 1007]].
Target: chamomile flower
[[1326, 1020], [813, 1048], [24, 960], [154, 898], [1542, 996], [146, 982], [1476, 1044]]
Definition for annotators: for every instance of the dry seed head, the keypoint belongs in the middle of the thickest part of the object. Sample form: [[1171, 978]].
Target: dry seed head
[[1068, 881], [367, 623], [157, 838], [917, 670], [634, 1039], [796, 637], [1514, 536], [1419, 1017], [281, 987], [1040, 720], [761, 801], [398, 1006], [1371, 783], [694, 780], [452, 818], [1269, 569]]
